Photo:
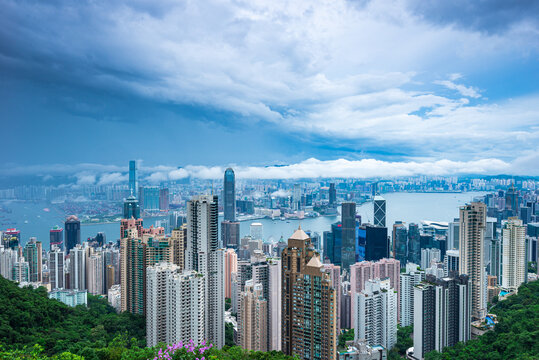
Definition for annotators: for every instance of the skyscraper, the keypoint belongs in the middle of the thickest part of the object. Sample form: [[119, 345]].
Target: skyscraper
[[56, 237], [442, 312], [178, 242], [72, 232], [400, 242], [77, 267], [133, 177], [131, 208], [231, 266], [348, 220], [379, 211], [332, 194], [149, 198], [473, 218], [335, 275], [253, 318], [33, 253], [229, 195], [95, 273], [376, 314], [204, 256], [408, 280], [175, 305], [274, 304], [230, 234], [514, 263], [375, 241], [163, 199], [21, 271], [414, 244], [308, 299], [257, 231], [56, 268]]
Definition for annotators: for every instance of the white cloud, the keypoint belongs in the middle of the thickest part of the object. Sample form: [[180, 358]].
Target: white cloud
[[280, 193], [468, 91], [113, 179]]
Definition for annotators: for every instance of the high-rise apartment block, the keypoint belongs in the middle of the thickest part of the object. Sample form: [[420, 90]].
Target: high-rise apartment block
[[376, 314], [408, 280], [514, 263], [308, 299], [473, 218], [204, 256], [252, 318], [56, 268], [33, 254], [174, 305], [442, 313]]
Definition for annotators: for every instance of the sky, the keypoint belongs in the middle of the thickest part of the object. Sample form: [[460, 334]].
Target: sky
[[325, 88]]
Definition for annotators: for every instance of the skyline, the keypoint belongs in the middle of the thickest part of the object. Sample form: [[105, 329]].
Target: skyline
[[401, 87]]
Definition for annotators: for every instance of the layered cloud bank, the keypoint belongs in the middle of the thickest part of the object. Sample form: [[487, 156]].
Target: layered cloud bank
[[95, 174]]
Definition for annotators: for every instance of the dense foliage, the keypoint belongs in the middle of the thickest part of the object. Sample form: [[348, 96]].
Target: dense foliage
[[28, 317], [404, 342], [346, 335], [514, 337]]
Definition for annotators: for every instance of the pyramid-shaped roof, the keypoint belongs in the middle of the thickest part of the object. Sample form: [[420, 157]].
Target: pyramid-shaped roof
[[299, 234], [315, 262]]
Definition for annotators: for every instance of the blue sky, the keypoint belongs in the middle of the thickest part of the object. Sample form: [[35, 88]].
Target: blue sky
[[425, 86]]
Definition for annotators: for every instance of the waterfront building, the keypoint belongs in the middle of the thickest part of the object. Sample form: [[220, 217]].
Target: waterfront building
[[471, 254], [257, 231], [332, 195], [414, 244], [308, 298], [379, 211], [514, 262], [375, 241], [400, 242], [131, 208], [229, 195], [149, 198], [376, 314], [204, 256], [56, 237], [133, 178], [252, 318], [72, 232]]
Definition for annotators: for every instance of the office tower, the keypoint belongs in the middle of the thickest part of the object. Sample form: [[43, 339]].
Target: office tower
[[471, 255], [414, 244], [229, 194], [77, 267], [332, 194], [333, 244], [453, 233], [56, 237], [21, 271], [307, 298], [72, 232], [131, 208], [176, 220], [428, 256], [400, 242], [451, 262], [274, 304], [376, 314], [163, 199], [379, 211], [348, 220], [375, 241], [253, 318], [8, 258], [526, 214], [133, 178], [363, 271], [33, 253], [408, 280], [296, 198], [514, 262], [11, 238], [335, 275], [95, 273], [230, 234], [257, 231], [178, 242], [442, 313], [204, 256], [511, 200], [175, 305], [231, 266], [56, 268]]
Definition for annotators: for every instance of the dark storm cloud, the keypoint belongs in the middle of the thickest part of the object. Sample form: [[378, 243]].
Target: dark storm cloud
[[490, 16]]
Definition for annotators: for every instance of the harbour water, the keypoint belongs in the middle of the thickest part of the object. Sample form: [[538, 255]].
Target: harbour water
[[36, 219]]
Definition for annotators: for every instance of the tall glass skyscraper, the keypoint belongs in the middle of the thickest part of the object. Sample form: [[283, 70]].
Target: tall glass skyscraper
[[133, 177], [72, 232], [229, 195], [348, 220]]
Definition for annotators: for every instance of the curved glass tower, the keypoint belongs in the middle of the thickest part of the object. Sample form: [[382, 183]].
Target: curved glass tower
[[229, 195]]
